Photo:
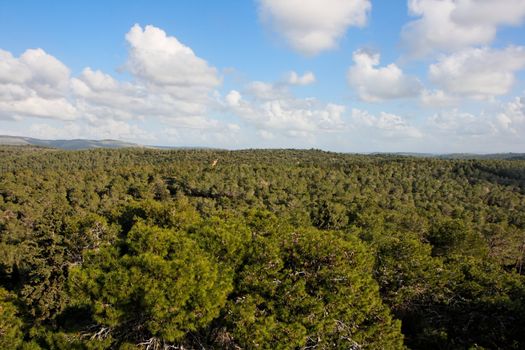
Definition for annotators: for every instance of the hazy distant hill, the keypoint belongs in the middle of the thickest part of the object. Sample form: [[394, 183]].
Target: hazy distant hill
[[79, 144], [463, 156], [64, 144], [508, 156]]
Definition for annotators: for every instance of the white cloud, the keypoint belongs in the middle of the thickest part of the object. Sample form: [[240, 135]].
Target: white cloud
[[512, 118], [36, 85], [312, 26], [285, 114], [35, 106], [295, 79], [164, 60], [13, 92], [456, 122], [478, 72], [100, 94], [375, 83], [449, 25], [169, 84], [267, 91], [35, 69], [233, 99], [504, 126], [387, 124], [49, 76], [12, 70], [437, 98], [489, 12], [172, 80]]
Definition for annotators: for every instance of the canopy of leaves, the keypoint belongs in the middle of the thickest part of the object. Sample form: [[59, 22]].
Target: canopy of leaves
[[144, 248]]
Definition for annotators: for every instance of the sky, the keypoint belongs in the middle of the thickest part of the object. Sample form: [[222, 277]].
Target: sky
[[432, 76]]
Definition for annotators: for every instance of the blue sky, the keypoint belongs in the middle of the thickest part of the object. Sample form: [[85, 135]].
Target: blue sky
[[343, 75]]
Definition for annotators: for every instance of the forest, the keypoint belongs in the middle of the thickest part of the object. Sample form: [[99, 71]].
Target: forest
[[259, 249]]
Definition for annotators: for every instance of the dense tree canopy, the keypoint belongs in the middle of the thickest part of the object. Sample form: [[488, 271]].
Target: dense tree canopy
[[282, 249]]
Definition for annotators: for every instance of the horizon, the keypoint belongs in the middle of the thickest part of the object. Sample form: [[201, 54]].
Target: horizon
[[161, 147], [360, 76]]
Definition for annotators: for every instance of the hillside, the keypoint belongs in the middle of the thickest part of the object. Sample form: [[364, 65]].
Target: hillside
[[77, 144]]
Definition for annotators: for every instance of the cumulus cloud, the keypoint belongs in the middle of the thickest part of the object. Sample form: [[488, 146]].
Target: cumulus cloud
[[285, 114], [34, 84], [295, 79], [97, 93], [48, 76], [273, 91], [478, 72], [437, 98], [169, 83], [512, 117], [170, 78], [35, 69], [489, 12], [233, 99], [456, 122], [35, 106], [12, 70], [387, 124], [312, 26], [267, 91], [501, 129], [161, 59], [449, 25], [375, 83]]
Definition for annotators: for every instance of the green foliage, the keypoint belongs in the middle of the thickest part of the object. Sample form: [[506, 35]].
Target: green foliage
[[226, 239], [143, 248], [11, 335], [330, 216], [406, 272], [480, 306], [158, 283], [307, 288]]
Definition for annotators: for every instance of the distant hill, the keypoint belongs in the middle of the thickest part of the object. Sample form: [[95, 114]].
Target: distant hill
[[76, 144], [458, 156], [508, 156], [79, 144]]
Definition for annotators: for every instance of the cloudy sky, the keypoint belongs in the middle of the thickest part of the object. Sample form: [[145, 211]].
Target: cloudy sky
[[343, 75]]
